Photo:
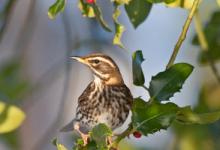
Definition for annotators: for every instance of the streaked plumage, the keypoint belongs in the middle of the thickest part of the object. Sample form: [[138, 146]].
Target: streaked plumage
[[106, 99]]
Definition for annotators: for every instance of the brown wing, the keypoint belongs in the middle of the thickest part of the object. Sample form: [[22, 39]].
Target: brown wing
[[84, 96], [128, 95]]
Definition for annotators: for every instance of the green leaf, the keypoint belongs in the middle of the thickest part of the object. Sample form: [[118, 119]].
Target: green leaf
[[137, 11], [11, 139], [58, 146], [119, 28], [86, 9], [92, 146], [186, 4], [11, 117], [56, 8], [99, 134], [187, 116], [149, 118], [160, 1], [99, 17], [165, 84], [212, 33], [138, 75], [12, 86], [121, 2]]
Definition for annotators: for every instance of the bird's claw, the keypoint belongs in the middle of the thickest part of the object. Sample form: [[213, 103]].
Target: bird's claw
[[85, 139]]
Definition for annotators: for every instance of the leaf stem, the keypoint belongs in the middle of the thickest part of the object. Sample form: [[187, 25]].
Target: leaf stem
[[182, 36], [204, 44]]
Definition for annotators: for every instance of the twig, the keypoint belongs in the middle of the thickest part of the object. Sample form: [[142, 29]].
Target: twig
[[183, 33], [204, 44]]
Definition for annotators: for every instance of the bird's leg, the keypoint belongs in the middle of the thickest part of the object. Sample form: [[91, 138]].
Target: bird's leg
[[84, 136], [109, 140]]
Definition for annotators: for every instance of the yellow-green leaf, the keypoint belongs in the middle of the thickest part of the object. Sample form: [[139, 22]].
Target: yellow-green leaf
[[119, 28], [11, 117], [86, 9], [56, 8], [187, 116], [186, 4], [218, 1], [58, 145], [120, 2]]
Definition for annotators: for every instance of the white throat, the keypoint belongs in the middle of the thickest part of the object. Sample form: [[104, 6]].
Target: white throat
[[97, 80]]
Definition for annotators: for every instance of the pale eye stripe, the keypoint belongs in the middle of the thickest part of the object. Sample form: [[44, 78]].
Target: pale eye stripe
[[103, 60], [101, 75]]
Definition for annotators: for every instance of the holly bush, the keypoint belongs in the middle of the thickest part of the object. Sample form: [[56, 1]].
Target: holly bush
[[148, 115], [156, 113]]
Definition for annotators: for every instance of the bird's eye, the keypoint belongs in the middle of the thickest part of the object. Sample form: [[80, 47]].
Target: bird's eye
[[96, 61]]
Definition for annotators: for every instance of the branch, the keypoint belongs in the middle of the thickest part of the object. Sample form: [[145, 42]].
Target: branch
[[204, 44], [182, 36]]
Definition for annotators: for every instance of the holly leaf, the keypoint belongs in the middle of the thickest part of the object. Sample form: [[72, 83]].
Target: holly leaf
[[149, 118], [212, 33], [99, 134], [58, 146], [119, 28], [11, 117], [99, 17], [187, 116], [56, 8], [86, 9], [138, 75], [121, 2], [92, 146], [186, 4], [137, 11], [165, 84]]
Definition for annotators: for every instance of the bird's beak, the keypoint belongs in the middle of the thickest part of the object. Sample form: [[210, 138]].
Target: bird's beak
[[79, 59]]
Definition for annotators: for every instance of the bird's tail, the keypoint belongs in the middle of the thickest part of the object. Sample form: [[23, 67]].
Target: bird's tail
[[69, 127]]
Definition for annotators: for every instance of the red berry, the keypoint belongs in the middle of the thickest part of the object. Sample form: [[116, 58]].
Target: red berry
[[90, 1], [137, 134]]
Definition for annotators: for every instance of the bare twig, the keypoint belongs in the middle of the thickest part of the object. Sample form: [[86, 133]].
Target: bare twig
[[204, 44], [183, 33]]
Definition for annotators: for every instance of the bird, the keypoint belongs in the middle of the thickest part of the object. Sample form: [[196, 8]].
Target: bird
[[106, 99]]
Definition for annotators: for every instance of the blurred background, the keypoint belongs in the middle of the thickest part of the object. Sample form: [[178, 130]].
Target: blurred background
[[37, 75]]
